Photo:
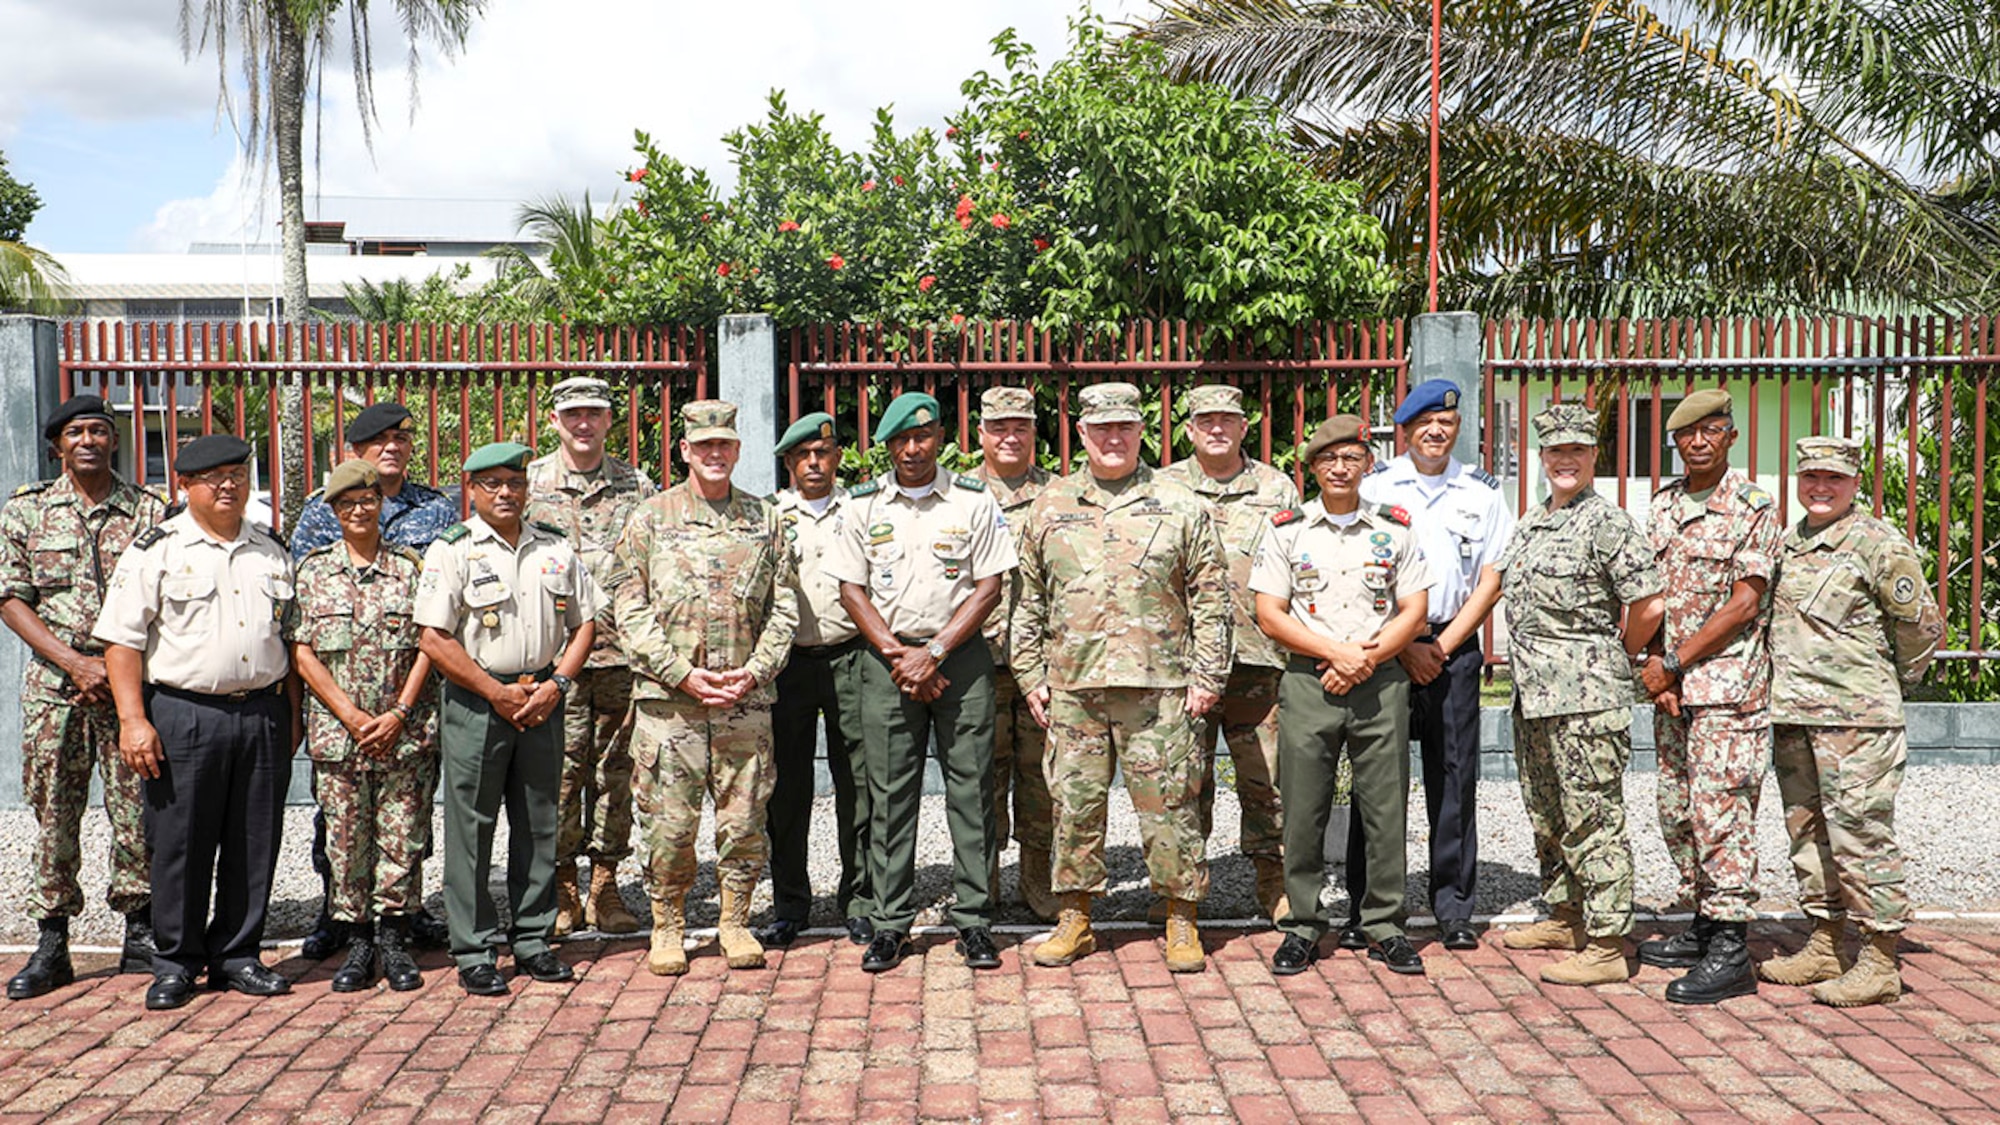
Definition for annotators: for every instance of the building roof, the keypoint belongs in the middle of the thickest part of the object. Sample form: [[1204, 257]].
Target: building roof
[[221, 276]]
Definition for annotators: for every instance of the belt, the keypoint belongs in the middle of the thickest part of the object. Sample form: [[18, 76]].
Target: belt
[[534, 677], [1307, 664], [824, 651], [275, 688]]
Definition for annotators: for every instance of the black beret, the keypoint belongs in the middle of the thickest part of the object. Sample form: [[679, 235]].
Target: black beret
[[376, 420], [79, 406], [212, 452]]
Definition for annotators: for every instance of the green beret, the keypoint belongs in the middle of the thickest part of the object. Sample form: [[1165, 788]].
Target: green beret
[[499, 455], [1341, 429], [349, 475], [910, 410], [1699, 405], [1829, 454], [1566, 423], [812, 427]]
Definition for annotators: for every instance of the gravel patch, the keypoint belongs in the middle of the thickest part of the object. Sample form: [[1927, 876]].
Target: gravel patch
[[1948, 821]]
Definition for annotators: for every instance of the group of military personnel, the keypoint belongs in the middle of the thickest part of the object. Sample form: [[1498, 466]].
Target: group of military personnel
[[606, 651]]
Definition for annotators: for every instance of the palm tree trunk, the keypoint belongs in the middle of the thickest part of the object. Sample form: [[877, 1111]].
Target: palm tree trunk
[[288, 125]]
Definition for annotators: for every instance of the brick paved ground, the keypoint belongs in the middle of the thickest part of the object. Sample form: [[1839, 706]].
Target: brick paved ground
[[1115, 1037]]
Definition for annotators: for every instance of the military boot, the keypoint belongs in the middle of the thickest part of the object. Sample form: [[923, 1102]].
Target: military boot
[[137, 955], [739, 945], [606, 906], [1271, 886], [1824, 957], [668, 955], [1602, 961], [1184, 952], [569, 905], [1874, 979], [48, 967], [1036, 888], [1562, 929], [357, 973], [1724, 971], [398, 967], [1073, 938], [1684, 950]]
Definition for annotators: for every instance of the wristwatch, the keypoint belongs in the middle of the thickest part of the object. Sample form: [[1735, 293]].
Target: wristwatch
[[1672, 663], [934, 648], [562, 682]]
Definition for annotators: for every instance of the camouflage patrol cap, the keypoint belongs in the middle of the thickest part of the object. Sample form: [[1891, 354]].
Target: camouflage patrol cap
[[812, 427], [909, 410], [1215, 398], [1566, 423], [1829, 454], [582, 391], [996, 403], [348, 476], [1104, 403], [1341, 429], [709, 419], [1699, 405]]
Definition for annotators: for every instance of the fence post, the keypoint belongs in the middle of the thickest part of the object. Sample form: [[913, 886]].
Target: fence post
[[1446, 346], [747, 370], [28, 391]]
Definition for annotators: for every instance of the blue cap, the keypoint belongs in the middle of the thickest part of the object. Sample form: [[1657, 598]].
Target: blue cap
[[1429, 395]]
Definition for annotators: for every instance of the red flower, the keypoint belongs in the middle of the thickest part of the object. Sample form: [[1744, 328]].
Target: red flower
[[1023, 134], [1001, 221], [787, 225], [957, 319], [951, 132], [835, 262], [723, 269], [963, 212], [1041, 244], [925, 282], [635, 177], [868, 185], [704, 216], [897, 180], [641, 205]]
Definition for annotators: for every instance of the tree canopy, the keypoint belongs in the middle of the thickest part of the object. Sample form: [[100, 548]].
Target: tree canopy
[[26, 273]]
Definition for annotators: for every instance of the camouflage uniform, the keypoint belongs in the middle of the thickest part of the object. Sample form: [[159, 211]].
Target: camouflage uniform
[[1566, 576], [1124, 606], [1852, 624], [1239, 509], [709, 586], [594, 810], [359, 622], [1712, 756], [1019, 744], [415, 516], [57, 552]]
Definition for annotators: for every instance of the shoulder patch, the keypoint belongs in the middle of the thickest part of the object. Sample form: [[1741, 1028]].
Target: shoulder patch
[[1280, 519], [1395, 512], [1756, 497], [32, 487], [866, 489], [1486, 478], [149, 537], [969, 483], [454, 533]]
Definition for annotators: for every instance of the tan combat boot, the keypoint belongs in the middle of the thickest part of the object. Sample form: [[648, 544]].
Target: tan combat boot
[[1073, 938], [1600, 962], [569, 907], [606, 908], [1271, 886], [1562, 929], [1184, 952], [668, 956], [1036, 886], [739, 945], [1874, 979], [1825, 957]]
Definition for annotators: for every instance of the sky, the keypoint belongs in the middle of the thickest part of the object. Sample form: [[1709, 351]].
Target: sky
[[121, 133]]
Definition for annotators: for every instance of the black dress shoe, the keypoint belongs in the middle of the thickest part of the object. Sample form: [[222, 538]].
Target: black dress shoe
[[545, 967], [168, 991], [975, 944], [860, 931], [328, 938], [885, 952], [1294, 956], [251, 980], [427, 932], [1458, 935], [1397, 953], [482, 980], [1351, 937], [780, 934]]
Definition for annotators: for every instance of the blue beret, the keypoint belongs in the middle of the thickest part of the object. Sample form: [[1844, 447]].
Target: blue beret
[[910, 410], [498, 455], [1429, 395]]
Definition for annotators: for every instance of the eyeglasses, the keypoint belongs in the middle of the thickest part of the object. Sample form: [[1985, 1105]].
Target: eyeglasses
[[1713, 432], [367, 501], [220, 478], [491, 485]]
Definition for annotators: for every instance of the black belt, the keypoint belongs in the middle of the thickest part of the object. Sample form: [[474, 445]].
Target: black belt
[[823, 651], [274, 688], [534, 677]]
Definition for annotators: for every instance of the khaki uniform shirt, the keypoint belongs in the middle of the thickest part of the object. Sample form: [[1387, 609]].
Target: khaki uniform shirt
[[1566, 577], [1703, 548], [512, 607], [1240, 509], [1014, 505], [920, 557], [208, 615], [591, 509], [708, 586], [1342, 582], [358, 620], [1852, 623], [822, 619], [57, 555], [1121, 590]]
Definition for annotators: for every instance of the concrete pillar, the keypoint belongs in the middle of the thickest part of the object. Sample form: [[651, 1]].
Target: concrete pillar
[[747, 370], [28, 390], [1446, 346]]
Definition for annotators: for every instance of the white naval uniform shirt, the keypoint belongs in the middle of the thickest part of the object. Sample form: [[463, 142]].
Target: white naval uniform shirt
[[1460, 527]]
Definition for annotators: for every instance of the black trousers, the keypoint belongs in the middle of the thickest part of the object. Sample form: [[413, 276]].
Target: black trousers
[[1444, 716], [215, 817], [818, 684]]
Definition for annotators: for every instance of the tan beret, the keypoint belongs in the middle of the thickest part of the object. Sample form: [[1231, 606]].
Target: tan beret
[[348, 476], [1699, 405]]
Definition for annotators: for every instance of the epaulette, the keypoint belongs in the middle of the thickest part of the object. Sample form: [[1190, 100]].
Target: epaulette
[[969, 483], [1280, 519], [870, 488], [408, 552], [1380, 467], [1486, 478], [149, 537], [1756, 497], [1395, 512], [32, 487], [321, 550], [454, 533], [552, 529], [315, 494], [274, 535]]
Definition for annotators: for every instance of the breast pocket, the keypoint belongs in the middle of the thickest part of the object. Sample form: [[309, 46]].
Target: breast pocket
[[53, 561], [328, 628], [753, 575], [188, 599], [1836, 598], [885, 566]]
